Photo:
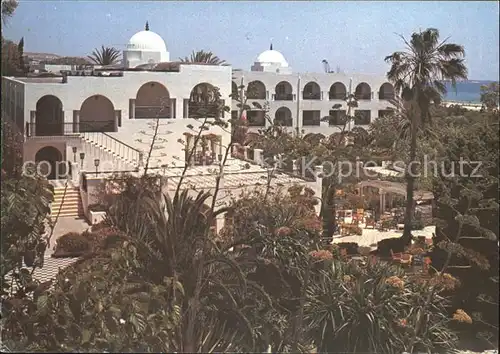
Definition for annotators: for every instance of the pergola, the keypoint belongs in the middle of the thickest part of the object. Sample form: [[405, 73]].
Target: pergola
[[388, 188]]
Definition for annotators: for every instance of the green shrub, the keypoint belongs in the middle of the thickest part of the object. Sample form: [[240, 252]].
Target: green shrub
[[352, 308], [350, 247], [100, 225], [385, 246], [417, 224], [389, 224], [72, 242]]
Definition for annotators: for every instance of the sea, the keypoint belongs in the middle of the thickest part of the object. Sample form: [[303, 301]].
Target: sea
[[465, 91]]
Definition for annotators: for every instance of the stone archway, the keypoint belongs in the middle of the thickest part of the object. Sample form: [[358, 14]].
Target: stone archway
[[386, 92], [283, 91], [97, 113], [152, 101], [235, 92], [202, 101], [48, 163], [49, 117], [311, 91], [256, 90], [363, 91], [337, 91], [283, 117]]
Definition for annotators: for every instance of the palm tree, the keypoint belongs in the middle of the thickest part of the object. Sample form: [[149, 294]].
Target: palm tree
[[203, 57], [418, 74], [105, 56]]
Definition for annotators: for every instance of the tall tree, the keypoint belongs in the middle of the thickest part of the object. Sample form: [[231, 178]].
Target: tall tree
[[10, 58], [418, 74], [490, 96], [20, 50], [202, 56], [8, 8], [105, 56]]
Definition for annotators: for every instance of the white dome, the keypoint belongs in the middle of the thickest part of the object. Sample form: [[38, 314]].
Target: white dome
[[147, 40], [272, 57]]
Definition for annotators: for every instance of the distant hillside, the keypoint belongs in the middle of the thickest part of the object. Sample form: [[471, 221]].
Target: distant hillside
[[41, 56], [54, 59], [68, 61]]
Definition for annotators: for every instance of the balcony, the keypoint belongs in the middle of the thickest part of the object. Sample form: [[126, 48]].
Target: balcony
[[64, 129], [152, 112], [312, 91], [284, 97], [311, 96], [336, 95], [386, 96]]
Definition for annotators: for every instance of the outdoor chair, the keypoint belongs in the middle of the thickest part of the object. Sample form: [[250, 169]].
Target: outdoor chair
[[396, 257], [364, 251], [421, 240], [406, 259], [370, 223]]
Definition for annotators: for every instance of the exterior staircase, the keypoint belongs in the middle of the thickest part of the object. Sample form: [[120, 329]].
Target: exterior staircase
[[109, 161], [70, 203], [111, 148]]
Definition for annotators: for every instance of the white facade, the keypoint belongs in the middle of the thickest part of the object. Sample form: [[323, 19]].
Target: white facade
[[112, 103], [304, 101], [113, 111]]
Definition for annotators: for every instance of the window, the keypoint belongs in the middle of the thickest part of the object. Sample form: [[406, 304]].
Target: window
[[362, 117], [311, 118], [338, 117]]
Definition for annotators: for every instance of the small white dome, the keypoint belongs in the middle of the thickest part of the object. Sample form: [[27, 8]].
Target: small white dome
[[147, 40], [272, 57]]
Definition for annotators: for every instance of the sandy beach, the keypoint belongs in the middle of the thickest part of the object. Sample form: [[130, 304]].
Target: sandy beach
[[466, 105]]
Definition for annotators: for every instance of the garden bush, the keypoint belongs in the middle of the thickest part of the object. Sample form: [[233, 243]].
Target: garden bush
[[100, 225], [104, 238], [72, 243], [384, 247], [417, 223]]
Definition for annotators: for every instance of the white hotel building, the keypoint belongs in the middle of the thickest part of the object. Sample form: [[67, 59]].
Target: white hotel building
[[106, 114]]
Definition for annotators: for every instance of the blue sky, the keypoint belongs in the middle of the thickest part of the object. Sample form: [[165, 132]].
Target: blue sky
[[354, 35]]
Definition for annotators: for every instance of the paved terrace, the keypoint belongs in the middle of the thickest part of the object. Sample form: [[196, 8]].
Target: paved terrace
[[239, 177]]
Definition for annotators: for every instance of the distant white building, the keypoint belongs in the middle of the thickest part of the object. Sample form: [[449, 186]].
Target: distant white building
[[304, 101]]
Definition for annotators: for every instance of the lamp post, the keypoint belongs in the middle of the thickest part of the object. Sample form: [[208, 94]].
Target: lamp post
[[82, 157], [74, 153], [96, 164]]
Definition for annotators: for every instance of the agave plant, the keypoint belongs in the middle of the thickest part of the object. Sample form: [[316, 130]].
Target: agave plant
[[176, 241], [371, 308]]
